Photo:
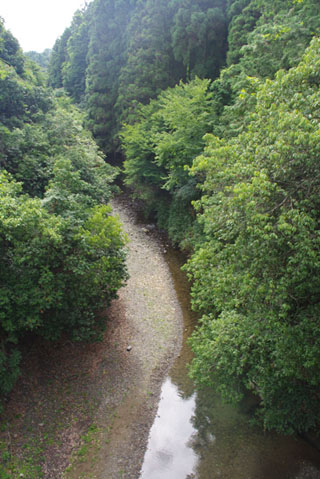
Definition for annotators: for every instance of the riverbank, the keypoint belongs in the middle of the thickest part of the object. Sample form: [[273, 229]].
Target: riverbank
[[151, 327], [84, 411]]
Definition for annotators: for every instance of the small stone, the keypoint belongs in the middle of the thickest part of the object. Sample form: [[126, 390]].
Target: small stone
[[41, 424], [129, 348]]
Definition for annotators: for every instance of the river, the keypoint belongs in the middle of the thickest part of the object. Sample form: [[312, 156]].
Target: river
[[194, 436]]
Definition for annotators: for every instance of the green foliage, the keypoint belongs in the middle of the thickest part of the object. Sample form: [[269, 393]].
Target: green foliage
[[159, 148], [30, 152], [62, 257], [105, 59], [243, 15], [42, 59], [263, 38], [21, 100], [255, 269], [199, 36], [75, 65], [274, 35], [10, 51], [280, 41], [142, 172], [256, 238], [256, 274], [54, 267], [150, 66], [119, 53], [57, 59]]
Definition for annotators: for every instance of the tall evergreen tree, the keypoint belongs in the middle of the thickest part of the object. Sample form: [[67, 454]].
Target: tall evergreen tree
[[57, 59], [150, 65], [75, 65], [199, 36], [106, 57]]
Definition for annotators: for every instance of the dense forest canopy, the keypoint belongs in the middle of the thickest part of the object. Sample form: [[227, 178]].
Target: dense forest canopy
[[42, 59], [119, 53], [61, 252], [256, 273], [214, 107]]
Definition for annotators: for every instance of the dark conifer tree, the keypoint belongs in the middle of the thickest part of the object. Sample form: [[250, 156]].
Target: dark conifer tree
[[199, 36], [57, 59], [75, 66], [106, 56]]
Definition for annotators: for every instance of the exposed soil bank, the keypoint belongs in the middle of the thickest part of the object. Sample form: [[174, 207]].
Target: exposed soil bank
[[66, 388]]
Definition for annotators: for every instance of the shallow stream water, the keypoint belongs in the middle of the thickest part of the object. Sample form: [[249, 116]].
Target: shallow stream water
[[194, 436]]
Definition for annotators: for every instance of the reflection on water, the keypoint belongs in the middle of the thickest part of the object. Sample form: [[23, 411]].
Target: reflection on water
[[169, 454], [197, 437], [194, 436], [242, 451]]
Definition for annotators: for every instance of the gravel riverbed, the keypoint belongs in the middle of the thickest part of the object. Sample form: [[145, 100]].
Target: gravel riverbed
[[147, 319]]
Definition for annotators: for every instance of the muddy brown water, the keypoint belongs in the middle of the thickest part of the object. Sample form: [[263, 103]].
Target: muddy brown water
[[194, 436]]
